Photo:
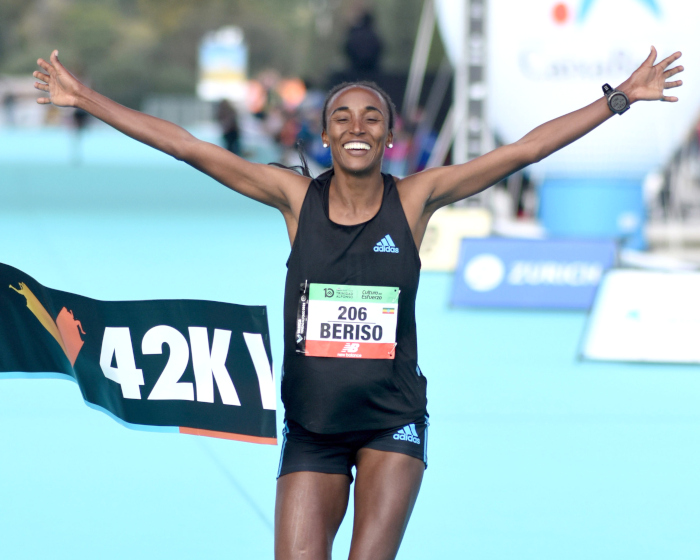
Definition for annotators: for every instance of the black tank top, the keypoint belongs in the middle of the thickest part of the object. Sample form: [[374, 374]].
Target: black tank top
[[332, 395]]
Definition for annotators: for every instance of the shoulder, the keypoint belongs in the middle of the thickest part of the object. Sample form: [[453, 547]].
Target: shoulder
[[415, 190], [295, 187], [416, 193], [423, 180]]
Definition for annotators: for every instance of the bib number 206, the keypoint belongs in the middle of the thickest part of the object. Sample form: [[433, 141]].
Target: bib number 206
[[352, 327], [352, 313]]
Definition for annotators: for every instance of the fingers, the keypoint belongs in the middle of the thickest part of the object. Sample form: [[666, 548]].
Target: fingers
[[669, 99], [44, 84], [45, 65], [673, 71], [666, 62], [50, 67], [40, 76], [54, 60], [651, 58]]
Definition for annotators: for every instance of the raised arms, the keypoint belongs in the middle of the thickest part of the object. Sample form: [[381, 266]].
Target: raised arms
[[273, 186], [427, 191]]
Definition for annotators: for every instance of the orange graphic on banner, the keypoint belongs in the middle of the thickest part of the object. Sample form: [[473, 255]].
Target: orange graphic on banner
[[64, 330], [228, 435], [69, 326]]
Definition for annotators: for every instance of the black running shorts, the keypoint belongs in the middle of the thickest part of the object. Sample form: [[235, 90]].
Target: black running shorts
[[336, 453]]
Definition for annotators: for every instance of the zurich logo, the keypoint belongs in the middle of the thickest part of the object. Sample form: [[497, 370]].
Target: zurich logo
[[484, 272], [386, 245]]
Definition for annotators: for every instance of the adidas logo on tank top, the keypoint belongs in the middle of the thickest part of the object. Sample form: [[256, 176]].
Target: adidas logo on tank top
[[408, 433], [386, 245]]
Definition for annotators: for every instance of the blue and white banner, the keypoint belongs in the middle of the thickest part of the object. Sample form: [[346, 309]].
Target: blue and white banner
[[558, 274]]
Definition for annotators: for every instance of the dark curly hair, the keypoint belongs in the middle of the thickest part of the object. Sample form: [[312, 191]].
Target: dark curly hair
[[365, 84]]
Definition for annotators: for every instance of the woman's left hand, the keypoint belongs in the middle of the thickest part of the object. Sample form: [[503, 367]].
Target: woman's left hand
[[649, 81]]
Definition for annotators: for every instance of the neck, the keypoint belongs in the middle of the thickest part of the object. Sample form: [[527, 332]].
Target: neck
[[353, 199]]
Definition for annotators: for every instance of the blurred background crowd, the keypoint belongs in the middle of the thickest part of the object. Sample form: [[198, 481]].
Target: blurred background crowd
[[253, 76], [156, 56]]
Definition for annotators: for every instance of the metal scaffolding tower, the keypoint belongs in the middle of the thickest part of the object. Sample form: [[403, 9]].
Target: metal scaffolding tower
[[470, 87], [466, 129]]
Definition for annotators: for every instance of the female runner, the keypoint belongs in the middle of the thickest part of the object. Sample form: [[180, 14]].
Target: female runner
[[352, 226]]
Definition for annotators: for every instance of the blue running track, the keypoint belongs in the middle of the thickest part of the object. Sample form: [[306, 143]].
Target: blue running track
[[533, 454]]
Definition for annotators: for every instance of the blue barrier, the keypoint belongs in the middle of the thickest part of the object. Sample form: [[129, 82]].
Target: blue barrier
[[559, 274], [594, 207]]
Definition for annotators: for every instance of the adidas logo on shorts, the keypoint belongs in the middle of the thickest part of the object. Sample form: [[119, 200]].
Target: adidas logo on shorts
[[408, 433], [386, 245]]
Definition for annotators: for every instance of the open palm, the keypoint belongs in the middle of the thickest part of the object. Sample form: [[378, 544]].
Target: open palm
[[649, 81], [58, 82]]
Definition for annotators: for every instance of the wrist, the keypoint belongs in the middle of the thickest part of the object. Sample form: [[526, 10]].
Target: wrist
[[626, 88], [82, 97]]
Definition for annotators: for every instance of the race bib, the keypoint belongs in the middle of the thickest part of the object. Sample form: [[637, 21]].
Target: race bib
[[338, 321]]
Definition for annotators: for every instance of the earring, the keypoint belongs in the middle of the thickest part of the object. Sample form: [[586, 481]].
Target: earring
[[390, 146], [325, 145]]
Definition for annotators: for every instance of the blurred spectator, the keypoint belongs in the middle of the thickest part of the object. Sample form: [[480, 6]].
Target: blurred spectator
[[256, 99], [228, 119], [8, 105], [422, 142], [287, 135], [80, 120], [396, 158], [363, 45], [310, 112]]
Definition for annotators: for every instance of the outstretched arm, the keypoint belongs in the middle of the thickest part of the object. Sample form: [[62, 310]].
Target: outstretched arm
[[441, 186], [273, 186]]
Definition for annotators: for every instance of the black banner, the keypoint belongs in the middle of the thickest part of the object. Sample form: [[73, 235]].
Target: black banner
[[200, 367]]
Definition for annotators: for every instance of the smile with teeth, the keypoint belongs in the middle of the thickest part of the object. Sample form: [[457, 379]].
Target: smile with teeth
[[356, 146]]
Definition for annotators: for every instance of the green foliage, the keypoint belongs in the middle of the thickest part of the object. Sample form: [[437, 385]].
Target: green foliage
[[130, 48]]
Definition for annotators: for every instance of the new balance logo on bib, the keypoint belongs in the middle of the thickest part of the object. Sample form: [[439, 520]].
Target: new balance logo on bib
[[408, 433], [386, 245]]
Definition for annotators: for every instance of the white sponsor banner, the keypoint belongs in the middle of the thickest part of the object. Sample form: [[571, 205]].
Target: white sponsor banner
[[547, 58], [642, 316]]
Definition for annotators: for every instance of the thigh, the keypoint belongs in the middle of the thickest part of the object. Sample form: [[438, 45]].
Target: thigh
[[386, 488], [308, 511]]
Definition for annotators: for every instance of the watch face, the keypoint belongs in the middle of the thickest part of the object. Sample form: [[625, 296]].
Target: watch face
[[618, 102]]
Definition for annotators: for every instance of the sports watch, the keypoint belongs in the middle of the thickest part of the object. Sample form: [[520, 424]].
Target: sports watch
[[617, 100]]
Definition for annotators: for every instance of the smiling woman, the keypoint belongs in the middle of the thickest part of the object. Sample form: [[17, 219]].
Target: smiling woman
[[353, 392], [359, 124]]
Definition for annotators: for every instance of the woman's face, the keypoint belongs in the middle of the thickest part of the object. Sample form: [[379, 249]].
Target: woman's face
[[357, 130]]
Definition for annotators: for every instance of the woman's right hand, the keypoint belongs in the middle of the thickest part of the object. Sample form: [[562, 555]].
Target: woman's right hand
[[59, 83]]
